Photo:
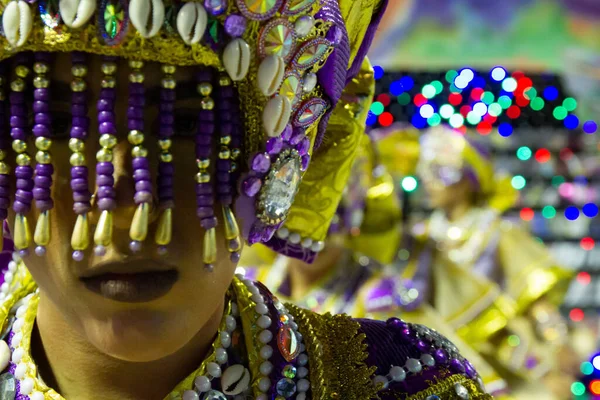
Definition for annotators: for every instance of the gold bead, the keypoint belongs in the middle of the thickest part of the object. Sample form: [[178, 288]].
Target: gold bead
[[169, 83], [79, 70], [2, 154], [203, 163], [22, 71], [224, 80], [108, 141], [43, 143], [78, 85], [4, 168], [235, 153], [18, 85], [202, 177], [104, 155], [224, 153], [109, 68], [135, 137], [166, 157], [204, 88], [23, 160], [108, 82], [136, 77], [169, 69], [43, 157], [207, 103], [225, 140], [40, 82], [76, 144], [135, 64], [19, 146], [164, 144], [77, 159], [139, 151], [40, 68]]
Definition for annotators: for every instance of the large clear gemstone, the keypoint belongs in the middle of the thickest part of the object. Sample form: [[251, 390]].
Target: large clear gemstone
[[281, 188]]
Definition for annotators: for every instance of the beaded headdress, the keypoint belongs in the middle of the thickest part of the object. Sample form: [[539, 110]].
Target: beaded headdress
[[270, 74]]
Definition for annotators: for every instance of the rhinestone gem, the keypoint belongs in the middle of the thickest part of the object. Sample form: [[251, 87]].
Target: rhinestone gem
[[433, 397], [214, 395], [277, 38], [288, 343], [289, 371], [258, 9], [291, 87], [286, 387], [49, 13], [8, 386], [215, 7], [311, 53], [461, 391], [310, 111], [279, 190], [294, 7], [113, 21], [214, 33]]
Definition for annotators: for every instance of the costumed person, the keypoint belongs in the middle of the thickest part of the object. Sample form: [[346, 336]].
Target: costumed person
[[114, 290], [490, 280]]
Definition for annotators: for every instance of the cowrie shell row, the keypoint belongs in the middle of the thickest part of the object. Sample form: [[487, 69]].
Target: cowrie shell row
[[17, 22], [236, 59], [270, 74], [139, 12], [276, 115], [76, 13], [191, 22], [235, 380]]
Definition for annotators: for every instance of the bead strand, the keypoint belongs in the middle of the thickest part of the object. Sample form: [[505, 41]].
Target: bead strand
[[24, 172], [224, 168], [141, 166], [164, 179], [104, 168], [4, 144], [42, 130], [79, 171], [204, 188]]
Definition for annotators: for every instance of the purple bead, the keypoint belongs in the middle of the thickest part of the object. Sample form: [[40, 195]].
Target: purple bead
[[105, 180], [100, 251], [20, 207], [3, 214], [78, 132], [206, 128], [106, 116], [441, 356], [44, 169], [268, 233], [108, 93], [215, 7], [139, 101], [143, 186], [470, 370], [4, 191], [304, 162], [235, 257], [209, 222], [457, 366], [226, 129], [203, 152], [107, 127], [18, 122], [105, 168], [140, 163], [41, 94], [107, 204], [203, 188], [167, 95], [204, 212], [297, 136], [202, 140], [303, 146], [165, 181], [105, 105], [41, 193], [261, 163], [143, 197], [165, 193], [18, 133], [82, 122], [166, 107], [251, 186], [80, 184], [24, 172], [79, 98], [135, 125], [274, 145], [224, 166], [44, 204], [82, 196], [166, 131], [205, 201], [142, 175], [81, 207], [24, 196], [25, 184], [79, 172], [136, 88], [423, 347], [41, 130], [167, 119], [106, 192], [23, 253], [222, 176], [40, 251], [42, 119], [226, 199], [4, 179], [166, 169], [4, 203], [78, 255], [135, 112], [255, 235], [224, 188], [287, 133], [79, 110], [38, 107], [17, 97]]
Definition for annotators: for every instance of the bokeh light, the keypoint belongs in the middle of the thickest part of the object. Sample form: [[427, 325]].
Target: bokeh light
[[527, 214], [584, 278], [548, 212], [576, 315], [587, 243], [577, 388], [571, 213], [586, 368], [524, 153], [409, 184], [378, 72], [498, 74], [590, 210]]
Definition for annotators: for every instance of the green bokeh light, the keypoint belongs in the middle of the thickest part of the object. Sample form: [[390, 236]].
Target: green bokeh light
[[434, 120], [549, 212], [409, 184], [429, 91], [560, 113], [524, 153], [473, 118], [495, 109], [377, 108], [577, 388], [587, 368], [518, 182], [509, 85], [537, 104], [570, 104], [558, 180], [451, 75], [488, 98], [530, 93], [505, 101], [438, 86], [404, 99]]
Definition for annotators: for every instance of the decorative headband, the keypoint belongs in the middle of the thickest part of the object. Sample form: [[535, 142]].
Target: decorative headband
[[259, 58]]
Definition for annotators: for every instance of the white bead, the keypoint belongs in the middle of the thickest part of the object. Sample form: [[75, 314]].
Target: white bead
[[21, 311], [253, 290], [262, 396], [303, 25], [302, 372], [310, 81], [276, 115], [317, 246], [295, 238], [303, 385], [190, 395], [270, 74], [26, 386], [266, 368], [202, 383], [414, 365], [191, 22], [264, 384], [283, 233], [230, 323], [4, 287], [236, 59], [301, 396], [17, 355], [257, 298], [20, 371], [16, 257], [16, 340], [428, 360], [235, 310], [213, 369], [264, 321], [379, 379], [265, 336], [4, 355], [18, 324], [307, 242], [248, 283], [139, 14], [221, 355], [225, 339], [17, 22], [8, 277], [303, 359], [37, 396], [2, 295], [262, 308], [12, 266], [266, 352], [397, 374]]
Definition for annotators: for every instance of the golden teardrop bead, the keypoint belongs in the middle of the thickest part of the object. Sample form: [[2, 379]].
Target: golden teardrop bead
[[139, 225], [80, 239], [41, 236], [164, 231], [104, 229]]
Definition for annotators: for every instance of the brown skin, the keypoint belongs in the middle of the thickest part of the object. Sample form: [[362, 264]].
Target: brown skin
[[90, 347]]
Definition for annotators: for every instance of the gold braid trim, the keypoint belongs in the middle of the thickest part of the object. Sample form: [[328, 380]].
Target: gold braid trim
[[444, 389], [337, 356]]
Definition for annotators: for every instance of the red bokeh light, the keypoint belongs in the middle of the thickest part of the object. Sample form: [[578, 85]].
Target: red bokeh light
[[462, 129], [566, 154], [527, 214], [384, 99], [484, 128], [489, 119], [543, 156], [513, 112], [455, 99], [522, 101], [465, 110], [518, 75], [386, 119], [587, 243], [419, 100], [584, 278], [476, 94], [576, 314]]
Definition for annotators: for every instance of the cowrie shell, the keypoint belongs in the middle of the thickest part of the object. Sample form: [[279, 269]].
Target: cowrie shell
[[235, 380], [76, 13], [276, 115], [270, 74], [146, 24], [236, 59], [191, 22], [4, 354], [17, 22]]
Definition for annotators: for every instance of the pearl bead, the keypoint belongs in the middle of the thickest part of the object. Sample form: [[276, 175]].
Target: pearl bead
[[17, 355], [302, 359], [299, 336], [379, 379], [295, 238], [12, 266], [264, 384], [4, 287], [21, 311], [190, 395], [235, 310], [26, 386], [266, 352], [265, 336], [301, 396], [257, 298], [294, 325], [8, 277], [303, 385], [398, 374], [225, 339], [264, 321], [262, 308], [221, 355], [266, 368], [16, 340], [213, 369], [202, 383], [253, 290], [230, 323], [37, 396], [414, 365], [20, 371], [428, 360], [18, 324], [302, 372]]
